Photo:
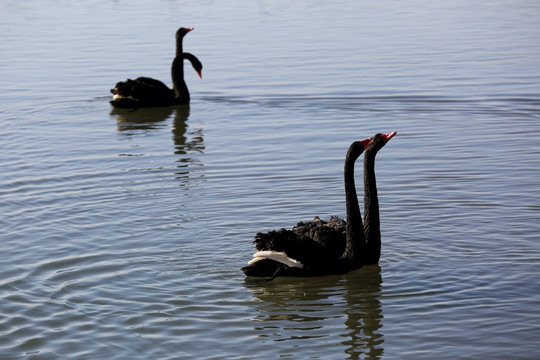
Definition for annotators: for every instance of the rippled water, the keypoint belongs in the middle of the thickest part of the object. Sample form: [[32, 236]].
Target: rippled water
[[123, 232]]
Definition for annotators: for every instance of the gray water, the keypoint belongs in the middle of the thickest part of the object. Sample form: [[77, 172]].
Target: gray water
[[123, 232]]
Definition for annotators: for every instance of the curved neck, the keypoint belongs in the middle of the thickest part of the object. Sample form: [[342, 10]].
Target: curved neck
[[181, 91], [179, 49], [177, 71], [372, 226], [355, 230]]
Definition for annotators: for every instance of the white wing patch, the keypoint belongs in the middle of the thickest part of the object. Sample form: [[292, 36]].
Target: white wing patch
[[280, 257], [118, 97]]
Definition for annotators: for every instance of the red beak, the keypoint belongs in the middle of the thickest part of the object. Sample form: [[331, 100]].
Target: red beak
[[388, 136], [385, 137], [366, 142], [189, 29]]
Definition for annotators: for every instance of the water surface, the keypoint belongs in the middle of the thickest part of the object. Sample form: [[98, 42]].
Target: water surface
[[123, 232]]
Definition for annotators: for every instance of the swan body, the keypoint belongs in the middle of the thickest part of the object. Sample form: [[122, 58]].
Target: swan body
[[335, 246], [148, 92]]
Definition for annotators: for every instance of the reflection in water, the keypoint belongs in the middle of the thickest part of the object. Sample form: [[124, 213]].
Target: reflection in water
[[180, 133], [364, 313], [186, 141], [130, 120], [297, 309]]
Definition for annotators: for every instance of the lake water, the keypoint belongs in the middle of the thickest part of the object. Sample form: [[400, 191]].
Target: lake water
[[123, 232]]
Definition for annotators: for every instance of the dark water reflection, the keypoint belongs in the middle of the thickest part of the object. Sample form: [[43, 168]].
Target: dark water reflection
[[131, 120], [186, 140], [300, 308]]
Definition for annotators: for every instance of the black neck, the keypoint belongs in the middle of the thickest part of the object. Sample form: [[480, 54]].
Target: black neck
[[355, 230], [177, 73], [179, 85], [179, 44], [372, 226]]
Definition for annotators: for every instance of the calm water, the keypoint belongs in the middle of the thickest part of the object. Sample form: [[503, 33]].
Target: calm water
[[123, 232]]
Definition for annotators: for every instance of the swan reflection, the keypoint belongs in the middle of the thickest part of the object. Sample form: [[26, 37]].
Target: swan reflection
[[187, 140], [129, 121], [133, 121], [311, 308]]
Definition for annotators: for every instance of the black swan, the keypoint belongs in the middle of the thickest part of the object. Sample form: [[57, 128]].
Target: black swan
[[148, 92], [328, 247]]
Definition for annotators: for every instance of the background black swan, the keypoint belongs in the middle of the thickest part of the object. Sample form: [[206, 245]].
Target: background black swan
[[148, 92], [328, 247]]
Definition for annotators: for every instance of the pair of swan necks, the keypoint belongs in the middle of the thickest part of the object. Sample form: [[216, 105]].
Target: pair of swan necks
[[363, 245], [363, 238]]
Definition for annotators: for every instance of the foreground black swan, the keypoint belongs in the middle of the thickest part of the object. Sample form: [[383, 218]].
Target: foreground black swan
[[333, 246], [148, 92]]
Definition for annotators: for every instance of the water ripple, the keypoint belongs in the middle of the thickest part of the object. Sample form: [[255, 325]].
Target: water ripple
[[123, 232]]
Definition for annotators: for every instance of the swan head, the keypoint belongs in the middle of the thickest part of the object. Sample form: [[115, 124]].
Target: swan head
[[362, 144], [387, 137], [379, 140], [180, 33], [357, 148]]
